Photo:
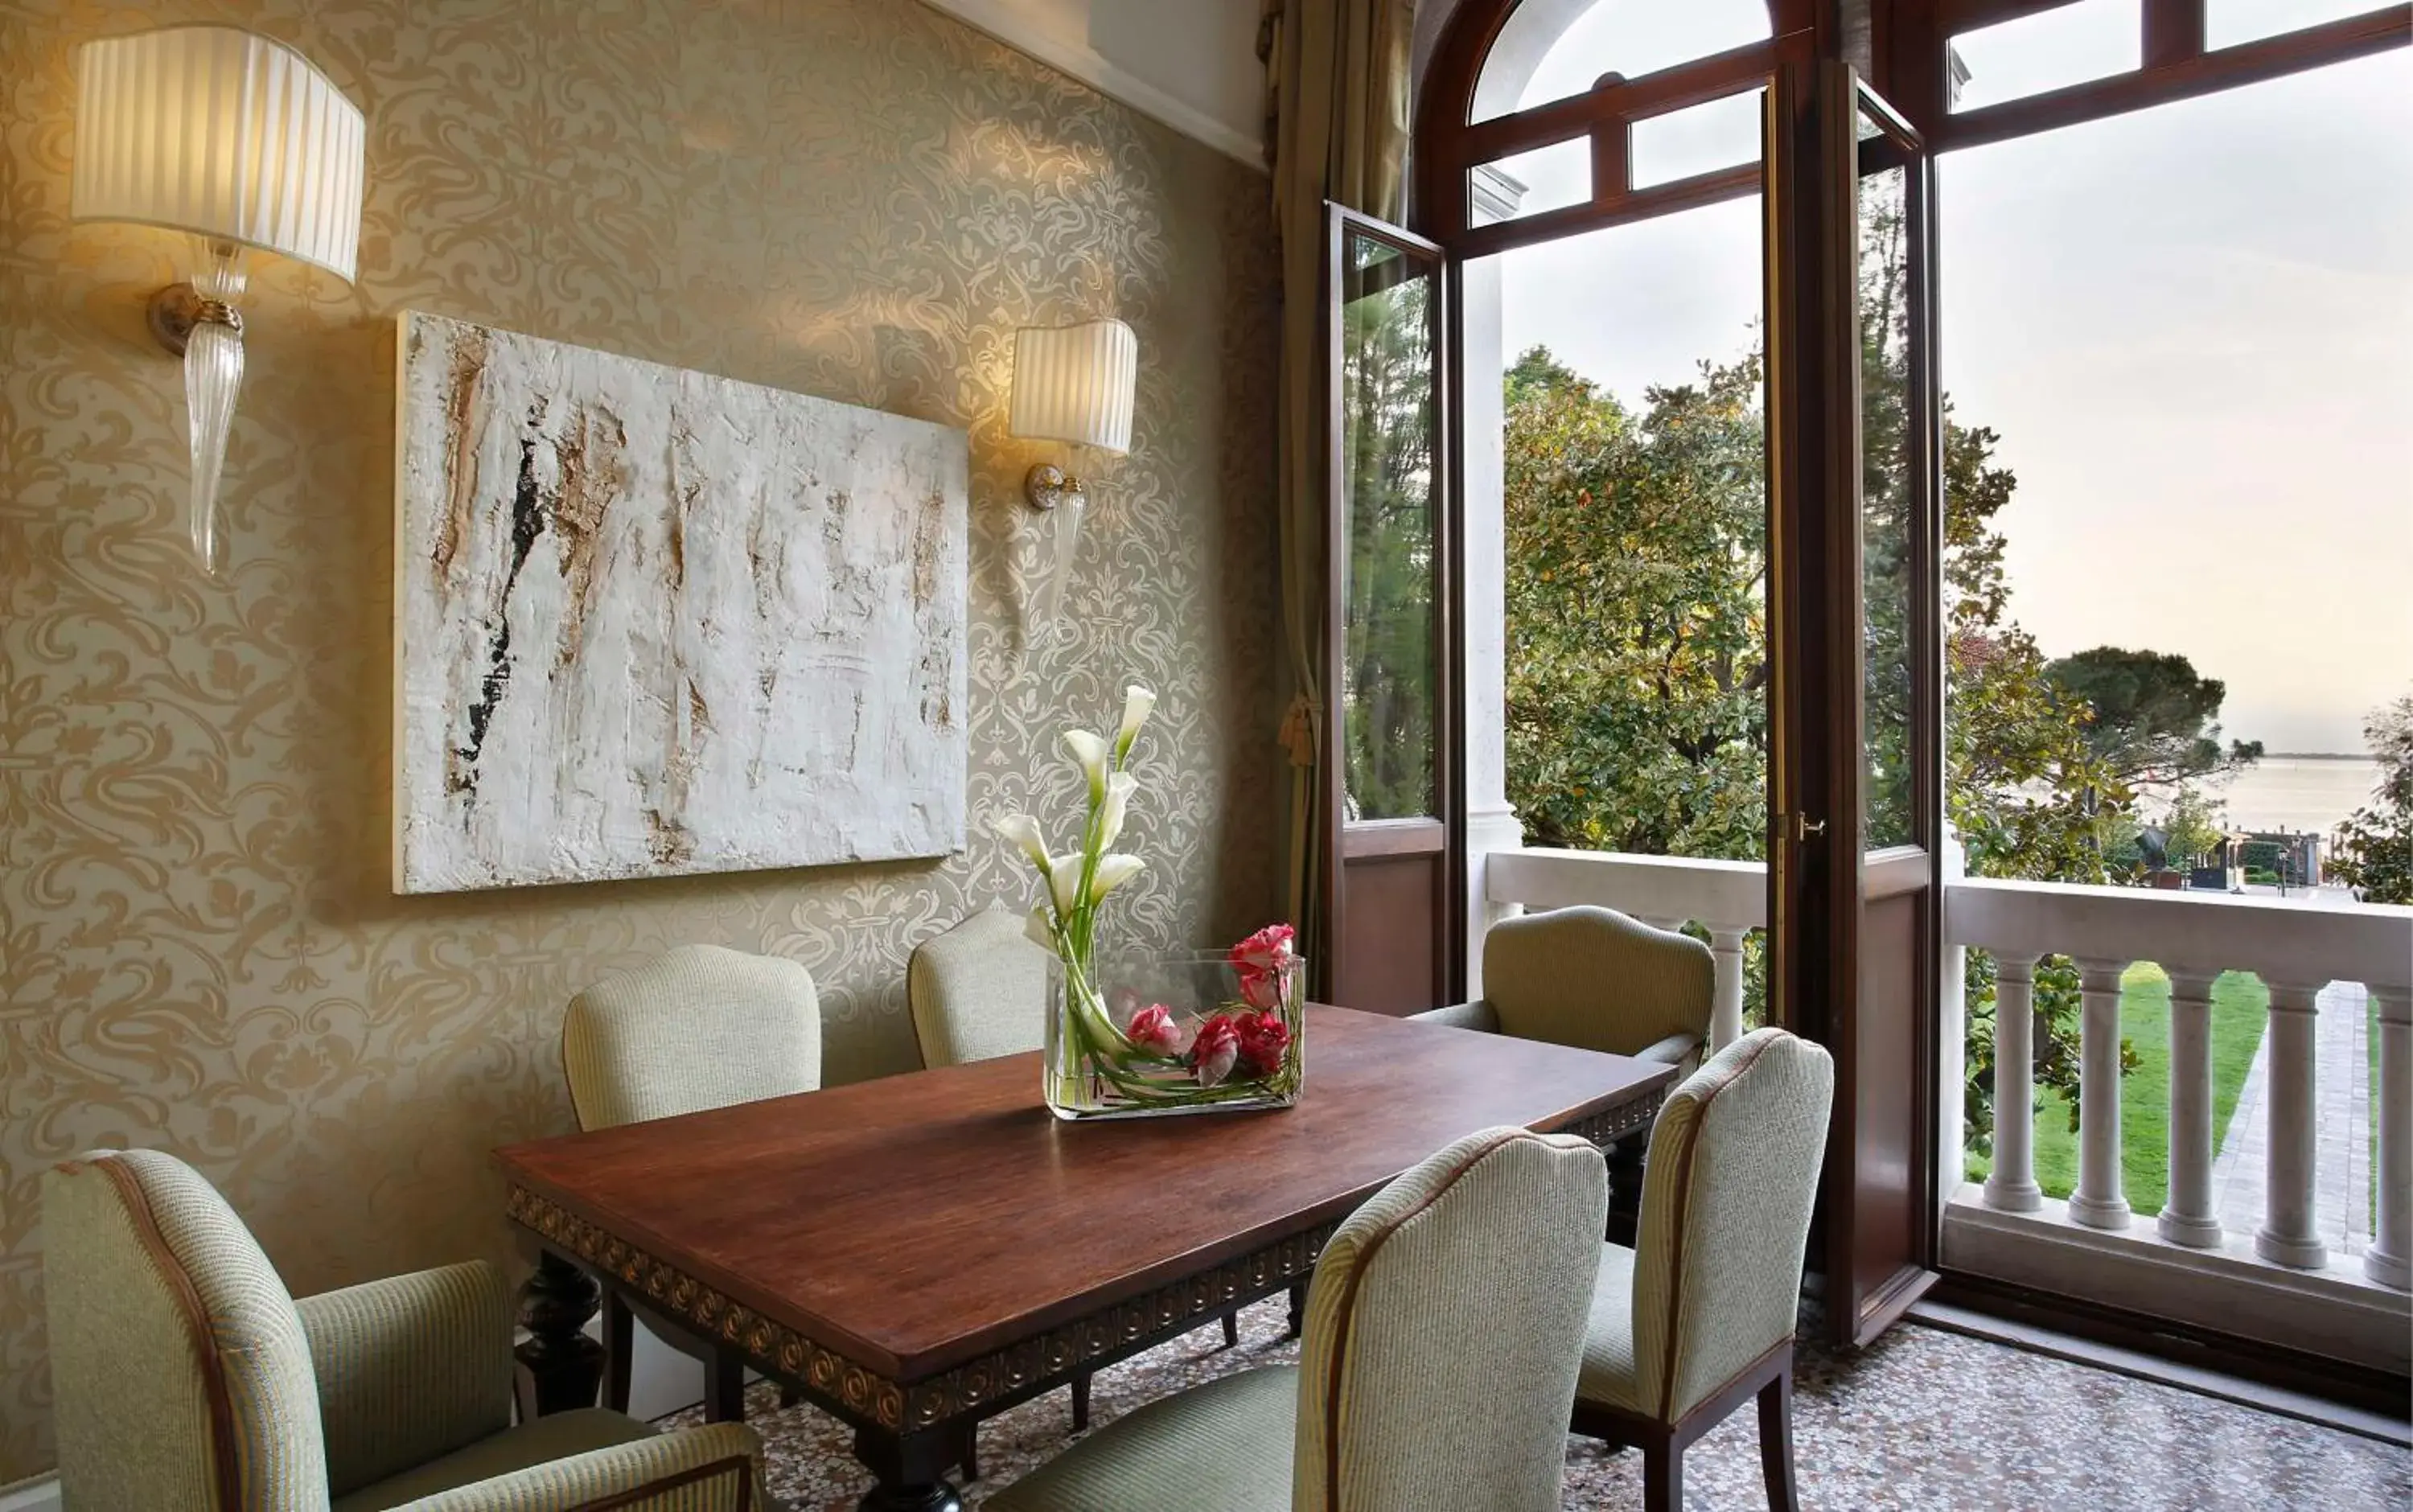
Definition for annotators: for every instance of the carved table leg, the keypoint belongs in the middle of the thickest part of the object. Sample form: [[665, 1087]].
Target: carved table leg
[[564, 1366], [910, 1469], [620, 1342], [1298, 1308], [1625, 1163], [724, 1387]]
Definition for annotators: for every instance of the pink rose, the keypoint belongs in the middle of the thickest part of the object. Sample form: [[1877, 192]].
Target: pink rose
[[1264, 1038], [1262, 990], [1213, 1051], [1152, 1029], [1263, 963], [1269, 952]]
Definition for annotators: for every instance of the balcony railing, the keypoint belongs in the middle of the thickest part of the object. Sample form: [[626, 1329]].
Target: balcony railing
[[2296, 945]]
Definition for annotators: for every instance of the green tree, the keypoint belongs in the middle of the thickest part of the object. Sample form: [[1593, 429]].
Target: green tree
[[1636, 667], [2374, 849], [2151, 717], [1636, 655], [1387, 659]]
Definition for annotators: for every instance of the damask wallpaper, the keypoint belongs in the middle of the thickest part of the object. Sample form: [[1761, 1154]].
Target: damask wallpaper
[[856, 198]]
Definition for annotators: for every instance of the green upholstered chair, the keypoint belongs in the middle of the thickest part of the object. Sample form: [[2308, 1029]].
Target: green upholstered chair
[[1700, 1315], [977, 991], [1445, 1330], [698, 1027], [186, 1378], [1594, 979]]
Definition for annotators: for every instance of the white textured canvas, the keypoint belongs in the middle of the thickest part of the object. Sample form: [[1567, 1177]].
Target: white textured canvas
[[652, 622]]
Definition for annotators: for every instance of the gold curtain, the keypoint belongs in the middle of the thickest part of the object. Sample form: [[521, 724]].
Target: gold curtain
[[1337, 74]]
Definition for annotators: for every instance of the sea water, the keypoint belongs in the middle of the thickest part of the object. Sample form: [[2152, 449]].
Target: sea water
[[2298, 792]]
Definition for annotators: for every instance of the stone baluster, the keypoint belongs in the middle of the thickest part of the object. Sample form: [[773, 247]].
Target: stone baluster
[[2389, 1259], [2099, 1201], [2188, 1217], [2012, 1186], [2288, 1236], [1725, 1004]]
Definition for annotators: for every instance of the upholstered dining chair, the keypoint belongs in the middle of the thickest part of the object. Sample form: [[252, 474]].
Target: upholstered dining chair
[[698, 1027], [185, 1376], [1444, 1331], [1594, 979], [978, 991], [1699, 1316]]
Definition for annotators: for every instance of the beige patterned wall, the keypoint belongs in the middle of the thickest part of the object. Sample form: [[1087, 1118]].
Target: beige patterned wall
[[858, 198]]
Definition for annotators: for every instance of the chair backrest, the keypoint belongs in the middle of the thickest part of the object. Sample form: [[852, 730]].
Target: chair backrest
[[978, 991], [180, 1373], [1445, 1330], [1594, 979], [1725, 1215], [697, 1028]]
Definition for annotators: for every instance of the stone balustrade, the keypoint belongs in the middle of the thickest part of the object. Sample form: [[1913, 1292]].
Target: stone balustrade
[[2296, 945]]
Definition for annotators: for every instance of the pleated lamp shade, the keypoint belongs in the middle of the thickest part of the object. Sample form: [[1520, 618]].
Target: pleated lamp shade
[[1075, 383], [222, 133]]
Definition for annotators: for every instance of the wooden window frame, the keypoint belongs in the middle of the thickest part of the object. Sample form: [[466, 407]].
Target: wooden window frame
[[1902, 46], [2175, 64]]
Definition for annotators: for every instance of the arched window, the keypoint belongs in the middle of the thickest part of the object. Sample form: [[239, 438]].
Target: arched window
[[1551, 51], [1568, 114]]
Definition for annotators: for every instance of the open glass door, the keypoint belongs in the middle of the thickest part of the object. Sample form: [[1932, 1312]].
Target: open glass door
[[1390, 746], [1856, 771]]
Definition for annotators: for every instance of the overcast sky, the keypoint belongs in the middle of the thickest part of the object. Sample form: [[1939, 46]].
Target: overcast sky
[[2192, 326]]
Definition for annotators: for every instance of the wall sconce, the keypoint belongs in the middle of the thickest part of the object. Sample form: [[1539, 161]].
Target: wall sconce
[[1072, 383], [241, 142]]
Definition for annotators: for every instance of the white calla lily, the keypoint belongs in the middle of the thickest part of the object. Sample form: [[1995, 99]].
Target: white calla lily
[[1112, 871], [1111, 813], [1137, 702], [1039, 931], [1023, 830], [1092, 753], [1064, 881]]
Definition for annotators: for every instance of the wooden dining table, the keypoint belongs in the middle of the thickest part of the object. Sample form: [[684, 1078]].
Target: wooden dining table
[[918, 1253]]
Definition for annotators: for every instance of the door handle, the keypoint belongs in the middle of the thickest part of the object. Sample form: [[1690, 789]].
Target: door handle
[[1804, 828]]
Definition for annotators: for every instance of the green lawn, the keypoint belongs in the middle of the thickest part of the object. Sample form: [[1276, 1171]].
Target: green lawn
[[2240, 1006]]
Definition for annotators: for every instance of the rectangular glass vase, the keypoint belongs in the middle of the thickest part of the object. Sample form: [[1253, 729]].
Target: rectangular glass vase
[[1225, 1040]]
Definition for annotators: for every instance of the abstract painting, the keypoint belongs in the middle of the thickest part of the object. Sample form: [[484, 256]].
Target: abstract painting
[[651, 622]]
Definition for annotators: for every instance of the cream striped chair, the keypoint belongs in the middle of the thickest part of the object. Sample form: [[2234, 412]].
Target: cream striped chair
[[1597, 979], [698, 1027], [186, 1378], [1444, 1335], [1594, 979], [977, 991], [1699, 1317]]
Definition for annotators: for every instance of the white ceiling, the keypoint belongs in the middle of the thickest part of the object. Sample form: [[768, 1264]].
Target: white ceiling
[[1191, 63]]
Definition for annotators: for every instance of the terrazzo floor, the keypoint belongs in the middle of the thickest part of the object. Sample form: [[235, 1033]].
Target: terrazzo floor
[[1923, 1420]]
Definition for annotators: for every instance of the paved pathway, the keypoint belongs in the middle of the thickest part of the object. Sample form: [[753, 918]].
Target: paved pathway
[[2341, 1134]]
